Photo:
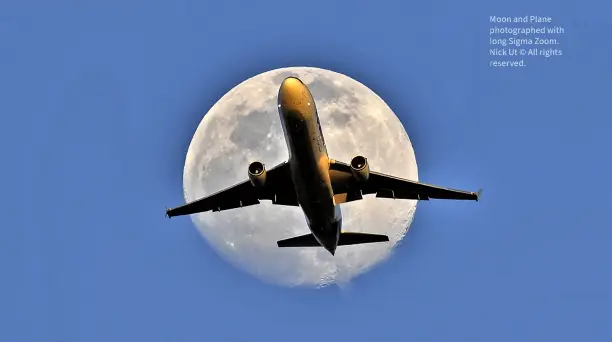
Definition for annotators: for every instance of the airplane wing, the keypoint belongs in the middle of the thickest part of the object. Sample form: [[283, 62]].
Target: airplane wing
[[346, 189], [278, 189]]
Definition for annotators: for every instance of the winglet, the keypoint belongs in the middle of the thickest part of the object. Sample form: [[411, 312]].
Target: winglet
[[478, 195], [167, 215]]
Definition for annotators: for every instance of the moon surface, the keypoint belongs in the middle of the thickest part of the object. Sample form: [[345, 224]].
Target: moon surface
[[244, 126]]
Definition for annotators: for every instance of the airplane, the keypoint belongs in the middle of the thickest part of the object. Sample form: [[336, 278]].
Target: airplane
[[313, 181]]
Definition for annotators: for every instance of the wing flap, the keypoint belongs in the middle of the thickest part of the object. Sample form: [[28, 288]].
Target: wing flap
[[408, 189], [240, 195], [399, 194]]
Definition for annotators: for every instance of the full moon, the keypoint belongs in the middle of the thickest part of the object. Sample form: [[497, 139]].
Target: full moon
[[244, 126]]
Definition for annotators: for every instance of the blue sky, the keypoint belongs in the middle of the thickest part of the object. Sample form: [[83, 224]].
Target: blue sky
[[101, 100]]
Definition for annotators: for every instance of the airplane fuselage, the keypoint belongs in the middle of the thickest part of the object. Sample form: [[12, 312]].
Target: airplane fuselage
[[309, 162]]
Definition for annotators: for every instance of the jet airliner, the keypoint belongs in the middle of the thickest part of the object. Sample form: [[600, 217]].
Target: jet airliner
[[313, 181]]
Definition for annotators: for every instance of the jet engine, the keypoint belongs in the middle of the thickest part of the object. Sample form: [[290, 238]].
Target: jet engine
[[360, 169], [257, 174]]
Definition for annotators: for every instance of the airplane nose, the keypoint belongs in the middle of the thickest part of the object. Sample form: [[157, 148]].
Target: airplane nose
[[293, 96], [289, 81], [291, 86]]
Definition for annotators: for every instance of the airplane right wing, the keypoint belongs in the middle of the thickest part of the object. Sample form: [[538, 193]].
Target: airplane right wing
[[346, 189], [278, 188]]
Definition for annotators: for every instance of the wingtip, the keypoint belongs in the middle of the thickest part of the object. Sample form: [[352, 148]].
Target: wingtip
[[478, 194], [167, 213]]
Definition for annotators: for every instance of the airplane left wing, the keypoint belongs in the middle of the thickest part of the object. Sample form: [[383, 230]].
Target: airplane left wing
[[347, 189], [278, 188]]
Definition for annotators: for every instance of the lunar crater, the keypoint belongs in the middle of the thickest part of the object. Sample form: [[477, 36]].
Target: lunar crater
[[252, 130]]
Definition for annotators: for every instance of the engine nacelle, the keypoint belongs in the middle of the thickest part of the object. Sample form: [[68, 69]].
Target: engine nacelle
[[257, 174], [360, 169]]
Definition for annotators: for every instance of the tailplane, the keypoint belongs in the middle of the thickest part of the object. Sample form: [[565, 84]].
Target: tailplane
[[346, 238], [307, 240]]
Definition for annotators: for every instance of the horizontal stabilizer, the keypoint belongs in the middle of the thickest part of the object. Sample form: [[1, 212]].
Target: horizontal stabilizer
[[307, 240], [359, 238], [346, 238]]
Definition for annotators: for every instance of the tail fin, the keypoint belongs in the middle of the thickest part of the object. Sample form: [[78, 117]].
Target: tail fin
[[347, 238]]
